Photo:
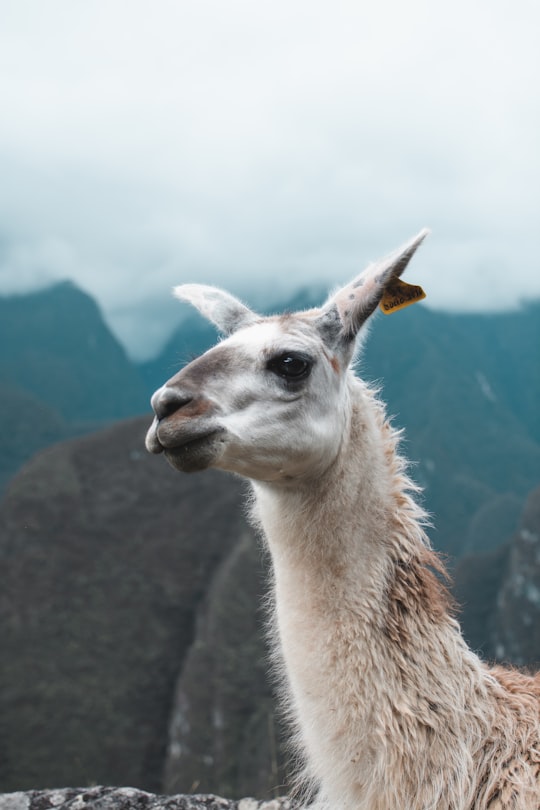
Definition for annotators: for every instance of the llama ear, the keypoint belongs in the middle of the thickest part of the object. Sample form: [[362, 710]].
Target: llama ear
[[347, 310], [224, 310]]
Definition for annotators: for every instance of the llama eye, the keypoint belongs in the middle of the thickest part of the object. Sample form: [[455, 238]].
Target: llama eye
[[290, 366]]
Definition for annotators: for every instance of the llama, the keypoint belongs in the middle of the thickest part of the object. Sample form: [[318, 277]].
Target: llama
[[392, 710]]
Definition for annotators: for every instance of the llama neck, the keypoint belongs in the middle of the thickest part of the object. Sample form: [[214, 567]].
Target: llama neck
[[344, 532], [356, 602]]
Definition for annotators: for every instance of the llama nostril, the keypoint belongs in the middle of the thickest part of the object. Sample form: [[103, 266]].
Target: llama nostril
[[167, 401]]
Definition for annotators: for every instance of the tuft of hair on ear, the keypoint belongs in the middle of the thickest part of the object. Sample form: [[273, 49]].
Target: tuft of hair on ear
[[329, 325], [356, 321], [222, 309]]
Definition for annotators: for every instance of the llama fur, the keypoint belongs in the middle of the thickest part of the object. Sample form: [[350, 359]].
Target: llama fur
[[405, 715], [391, 709]]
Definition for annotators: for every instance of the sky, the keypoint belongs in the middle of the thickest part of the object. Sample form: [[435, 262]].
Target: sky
[[262, 146]]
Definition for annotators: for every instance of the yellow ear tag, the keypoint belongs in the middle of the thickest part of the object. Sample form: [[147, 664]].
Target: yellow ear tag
[[398, 295]]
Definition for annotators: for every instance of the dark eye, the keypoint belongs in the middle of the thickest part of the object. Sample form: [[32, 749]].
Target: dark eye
[[290, 365]]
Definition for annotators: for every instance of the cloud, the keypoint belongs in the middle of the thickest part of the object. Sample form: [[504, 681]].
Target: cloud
[[252, 144]]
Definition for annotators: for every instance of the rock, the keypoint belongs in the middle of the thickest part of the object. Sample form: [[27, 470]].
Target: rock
[[225, 733], [517, 620], [499, 592], [106, 556], [109, 798]]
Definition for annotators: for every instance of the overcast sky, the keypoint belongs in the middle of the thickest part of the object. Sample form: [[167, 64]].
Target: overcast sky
[[143, 144]]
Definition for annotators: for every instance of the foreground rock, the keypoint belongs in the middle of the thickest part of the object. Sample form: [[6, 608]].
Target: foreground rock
[[107, 556], [107, 798]]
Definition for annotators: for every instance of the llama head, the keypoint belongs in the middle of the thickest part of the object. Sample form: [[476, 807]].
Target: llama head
[[270, 401]]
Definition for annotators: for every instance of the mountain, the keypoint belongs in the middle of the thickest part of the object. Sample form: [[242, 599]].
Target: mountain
[[500, 593], [62, 373], [461, 385], [516, 627], [26, 426], [106, 555], [226, 732], [55, 344]]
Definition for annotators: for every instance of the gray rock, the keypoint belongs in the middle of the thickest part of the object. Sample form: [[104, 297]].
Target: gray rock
[[109, 798]]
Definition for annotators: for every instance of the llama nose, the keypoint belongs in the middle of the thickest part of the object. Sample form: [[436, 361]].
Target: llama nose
[[167, 401]]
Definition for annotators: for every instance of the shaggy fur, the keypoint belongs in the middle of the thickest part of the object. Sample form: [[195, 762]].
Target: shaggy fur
[[392, 710]]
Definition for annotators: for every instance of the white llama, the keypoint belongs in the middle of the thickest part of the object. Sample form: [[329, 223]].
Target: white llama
[[393, 711]]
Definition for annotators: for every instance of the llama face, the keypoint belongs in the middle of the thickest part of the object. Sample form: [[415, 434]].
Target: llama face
[[266, 403], [269, 402]]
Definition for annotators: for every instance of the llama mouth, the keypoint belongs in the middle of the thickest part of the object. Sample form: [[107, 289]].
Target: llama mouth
[[178, 448], [194, 454]]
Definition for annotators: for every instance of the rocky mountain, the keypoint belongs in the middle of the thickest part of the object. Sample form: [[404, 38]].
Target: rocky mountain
[[106, 557], [26, 425], [460, 386], [223, 699], [500, 593]]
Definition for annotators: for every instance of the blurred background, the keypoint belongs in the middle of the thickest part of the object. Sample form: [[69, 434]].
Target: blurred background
[[273, 149]]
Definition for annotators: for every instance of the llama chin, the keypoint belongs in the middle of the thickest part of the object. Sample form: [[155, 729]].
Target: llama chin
[[390, 707]]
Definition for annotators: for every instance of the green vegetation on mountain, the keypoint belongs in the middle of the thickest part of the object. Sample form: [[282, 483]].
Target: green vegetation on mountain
[[55, 344], [62, 373]]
